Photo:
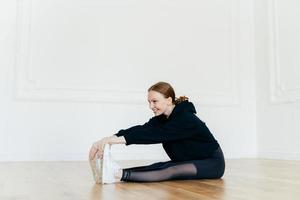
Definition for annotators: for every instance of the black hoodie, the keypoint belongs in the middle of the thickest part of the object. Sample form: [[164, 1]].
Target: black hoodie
[[183, 135]]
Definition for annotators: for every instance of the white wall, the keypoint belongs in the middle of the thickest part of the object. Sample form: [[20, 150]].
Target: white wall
[[278, 78], [72, 72]]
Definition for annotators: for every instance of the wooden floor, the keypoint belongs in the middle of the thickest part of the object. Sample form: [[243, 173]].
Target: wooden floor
[[244, 179]]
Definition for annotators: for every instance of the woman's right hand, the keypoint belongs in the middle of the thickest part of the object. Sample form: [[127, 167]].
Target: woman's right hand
[[97, 149]]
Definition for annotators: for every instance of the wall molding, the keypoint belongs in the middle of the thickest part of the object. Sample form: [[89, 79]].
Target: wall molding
[[28, 88], [279, 92]]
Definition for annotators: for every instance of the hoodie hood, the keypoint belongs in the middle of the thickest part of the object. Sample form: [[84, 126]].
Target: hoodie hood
[[184, 106]]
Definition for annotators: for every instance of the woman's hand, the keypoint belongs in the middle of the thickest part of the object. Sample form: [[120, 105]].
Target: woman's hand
[[98, 147]]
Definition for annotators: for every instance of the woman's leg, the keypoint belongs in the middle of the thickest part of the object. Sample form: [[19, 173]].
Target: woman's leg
[[197, 169], [167, 173], [213, 167], [153, 166]]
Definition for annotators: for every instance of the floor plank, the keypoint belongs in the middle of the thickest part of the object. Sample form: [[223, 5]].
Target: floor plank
[[244, 179]]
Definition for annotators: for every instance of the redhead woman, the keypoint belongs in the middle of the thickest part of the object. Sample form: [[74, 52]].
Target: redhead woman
[[193, 151]]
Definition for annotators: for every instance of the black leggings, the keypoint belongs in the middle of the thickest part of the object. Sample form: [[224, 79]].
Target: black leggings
[[209, 168]]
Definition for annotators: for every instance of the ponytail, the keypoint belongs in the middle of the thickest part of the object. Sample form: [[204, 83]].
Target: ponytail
[[180, 99]]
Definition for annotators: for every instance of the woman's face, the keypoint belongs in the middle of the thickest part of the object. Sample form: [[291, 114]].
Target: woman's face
[[158, 103]]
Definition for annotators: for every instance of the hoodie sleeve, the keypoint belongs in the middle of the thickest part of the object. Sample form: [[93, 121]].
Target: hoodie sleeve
[[148, 124], [175, 129]]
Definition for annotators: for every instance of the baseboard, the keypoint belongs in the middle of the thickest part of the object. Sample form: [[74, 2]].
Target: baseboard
[[79, 157], [279, 155], [136, 156]]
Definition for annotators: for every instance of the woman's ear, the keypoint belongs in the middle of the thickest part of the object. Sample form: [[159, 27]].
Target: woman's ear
[[170, 102]]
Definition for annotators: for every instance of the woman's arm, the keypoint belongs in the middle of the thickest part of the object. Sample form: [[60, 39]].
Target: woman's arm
[[150, 123], [179, 128], [116, 140], [98, 147]]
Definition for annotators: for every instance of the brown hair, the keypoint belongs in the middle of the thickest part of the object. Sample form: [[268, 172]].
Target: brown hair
[[167, 90]]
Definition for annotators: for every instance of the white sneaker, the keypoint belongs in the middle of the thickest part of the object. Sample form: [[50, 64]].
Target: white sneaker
[[109, 167], [96, 166]]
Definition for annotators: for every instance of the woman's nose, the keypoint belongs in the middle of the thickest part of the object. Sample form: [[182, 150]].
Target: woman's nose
[[151, 106]]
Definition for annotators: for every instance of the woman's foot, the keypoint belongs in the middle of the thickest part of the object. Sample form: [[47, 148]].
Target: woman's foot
[[96, 166], [118, 175], [110, 169]]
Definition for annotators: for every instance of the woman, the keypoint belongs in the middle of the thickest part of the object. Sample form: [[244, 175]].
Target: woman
[[194, 153]]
